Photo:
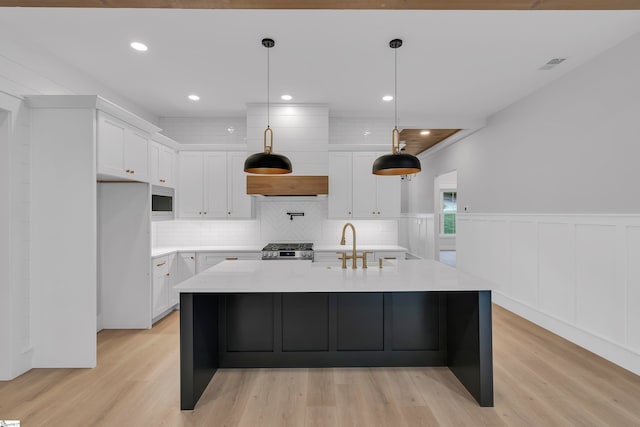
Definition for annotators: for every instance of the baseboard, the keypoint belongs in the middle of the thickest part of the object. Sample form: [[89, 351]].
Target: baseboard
[[615, 353]]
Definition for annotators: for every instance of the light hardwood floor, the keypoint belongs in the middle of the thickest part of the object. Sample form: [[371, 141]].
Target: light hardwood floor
[[540, 380]]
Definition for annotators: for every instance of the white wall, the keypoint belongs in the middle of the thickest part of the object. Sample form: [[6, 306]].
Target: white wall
[[15, 292], [530, 177]]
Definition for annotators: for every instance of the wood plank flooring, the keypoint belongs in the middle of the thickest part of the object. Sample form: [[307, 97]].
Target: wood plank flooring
[[540, 380]]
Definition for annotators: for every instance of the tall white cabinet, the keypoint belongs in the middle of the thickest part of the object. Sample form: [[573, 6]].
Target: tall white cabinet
[[354, 192], [212, 184]]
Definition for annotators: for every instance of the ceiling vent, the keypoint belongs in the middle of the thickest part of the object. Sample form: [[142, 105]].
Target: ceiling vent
[[552, 63]]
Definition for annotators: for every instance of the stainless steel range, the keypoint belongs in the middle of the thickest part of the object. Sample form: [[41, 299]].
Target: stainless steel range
[[302, 251]]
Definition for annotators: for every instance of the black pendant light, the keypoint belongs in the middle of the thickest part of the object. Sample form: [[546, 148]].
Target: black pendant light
[[267, 162], [396, 163]]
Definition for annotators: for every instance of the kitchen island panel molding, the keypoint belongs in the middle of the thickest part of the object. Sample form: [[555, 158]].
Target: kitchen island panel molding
[[584, 284]]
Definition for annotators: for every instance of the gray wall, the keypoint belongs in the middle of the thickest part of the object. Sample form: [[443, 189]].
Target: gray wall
[[571, 147]]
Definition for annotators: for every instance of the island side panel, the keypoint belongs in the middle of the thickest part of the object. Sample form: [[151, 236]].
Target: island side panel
[[198, 345], [469, 342]]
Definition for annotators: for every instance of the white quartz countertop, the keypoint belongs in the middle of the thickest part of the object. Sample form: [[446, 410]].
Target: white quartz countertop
[[306, 276], [360, 248], [166, 250]]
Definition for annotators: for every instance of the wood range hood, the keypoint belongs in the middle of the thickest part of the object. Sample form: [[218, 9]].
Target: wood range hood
[[260, 185]]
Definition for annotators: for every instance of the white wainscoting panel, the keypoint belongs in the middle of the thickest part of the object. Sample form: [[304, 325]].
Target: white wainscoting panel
[[599, 296], [524, 262], [576, 275], [633, 286], [556, 284]]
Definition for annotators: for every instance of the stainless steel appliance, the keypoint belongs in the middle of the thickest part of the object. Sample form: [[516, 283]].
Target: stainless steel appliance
[[302, 251]]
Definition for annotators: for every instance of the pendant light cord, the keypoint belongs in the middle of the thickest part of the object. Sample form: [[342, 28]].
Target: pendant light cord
[[395, 89], [268, 81]]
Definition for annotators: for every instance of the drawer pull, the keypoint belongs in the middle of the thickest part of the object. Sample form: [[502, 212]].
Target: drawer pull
[[161, 264], [390, 257], [235, 258], [167, 274], [192, 257]]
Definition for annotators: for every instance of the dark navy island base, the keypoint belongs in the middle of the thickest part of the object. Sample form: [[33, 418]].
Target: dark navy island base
[[340, 329]]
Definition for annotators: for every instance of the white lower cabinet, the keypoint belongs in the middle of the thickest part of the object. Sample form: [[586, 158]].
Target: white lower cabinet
[[161, 275], [205, 260]]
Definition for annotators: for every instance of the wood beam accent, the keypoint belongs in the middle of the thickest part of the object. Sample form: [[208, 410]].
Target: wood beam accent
[[416, 143], [338, 4], [287, 185]]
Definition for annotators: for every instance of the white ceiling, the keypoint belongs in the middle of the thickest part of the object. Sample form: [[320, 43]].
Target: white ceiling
[[453, 65]]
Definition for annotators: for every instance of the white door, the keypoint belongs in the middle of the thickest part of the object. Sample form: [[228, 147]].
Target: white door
[[215, 185], [340, 185], [190, 184], [136, 155], [239, 203], [364, 186], [110, 141]]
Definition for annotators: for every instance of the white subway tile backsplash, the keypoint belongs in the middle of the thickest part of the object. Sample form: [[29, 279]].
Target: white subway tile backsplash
[[272, 224]]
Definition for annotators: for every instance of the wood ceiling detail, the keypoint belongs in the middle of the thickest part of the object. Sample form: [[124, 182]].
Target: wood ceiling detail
[[340, 4], [417, 143]]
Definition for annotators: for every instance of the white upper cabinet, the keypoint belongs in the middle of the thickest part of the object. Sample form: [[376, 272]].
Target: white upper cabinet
[[212, 185], [356, 192], [162, 165], [190, 184], [110, 145], [365, 199], [239, 204], [215, 185], [340, 185], [167, 167], [136, 154], [123, 150]]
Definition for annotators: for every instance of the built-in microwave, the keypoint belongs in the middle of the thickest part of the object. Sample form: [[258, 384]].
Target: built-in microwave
[[162, 203]]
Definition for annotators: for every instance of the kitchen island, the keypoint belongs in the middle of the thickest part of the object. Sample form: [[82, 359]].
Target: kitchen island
[[249, 314]]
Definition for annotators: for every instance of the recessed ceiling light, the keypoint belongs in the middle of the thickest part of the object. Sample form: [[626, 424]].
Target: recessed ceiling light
[[231, 129], [194, 97], [387, 98], [141, 47], [425, 132], [287, 97]]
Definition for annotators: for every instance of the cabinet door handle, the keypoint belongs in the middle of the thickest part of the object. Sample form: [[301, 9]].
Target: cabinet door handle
[[228, 213], [390, 257], [205, 213], [374, 212], [167, 274], [199, 213], [192, 257], [378, 212], [128, 171], [235, 258], [349, 212], [161, 264], [132, 171]]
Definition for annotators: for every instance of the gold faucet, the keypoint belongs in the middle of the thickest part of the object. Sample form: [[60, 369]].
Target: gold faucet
[[343, 242]]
